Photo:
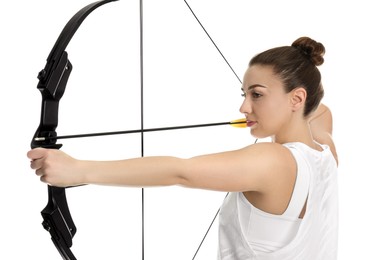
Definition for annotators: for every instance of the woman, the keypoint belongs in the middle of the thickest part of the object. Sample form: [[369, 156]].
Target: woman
[[283, 194]]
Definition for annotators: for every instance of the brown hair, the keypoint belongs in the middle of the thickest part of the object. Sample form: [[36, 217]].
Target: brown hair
[[297, 67]]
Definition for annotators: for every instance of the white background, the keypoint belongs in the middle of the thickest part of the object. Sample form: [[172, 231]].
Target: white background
[[186, 82]]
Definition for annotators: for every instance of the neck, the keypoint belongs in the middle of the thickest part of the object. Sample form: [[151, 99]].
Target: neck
[[297, 132]]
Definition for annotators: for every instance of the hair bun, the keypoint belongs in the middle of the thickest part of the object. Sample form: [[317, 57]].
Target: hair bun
[[311, 49]]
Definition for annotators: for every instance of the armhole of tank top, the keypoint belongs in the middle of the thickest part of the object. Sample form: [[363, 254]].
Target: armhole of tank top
[[301, 186]]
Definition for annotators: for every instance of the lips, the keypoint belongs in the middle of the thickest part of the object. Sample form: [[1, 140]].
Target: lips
[[251, 123]]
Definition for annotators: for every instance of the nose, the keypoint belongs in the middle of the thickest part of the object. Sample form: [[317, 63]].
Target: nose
[[246, 107]]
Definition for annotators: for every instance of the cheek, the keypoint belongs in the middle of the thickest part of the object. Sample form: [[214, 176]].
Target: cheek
[[272, 110], [279, 106], [273, 114]]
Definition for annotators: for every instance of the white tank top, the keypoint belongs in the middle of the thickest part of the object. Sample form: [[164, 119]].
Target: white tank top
[[246, 232]]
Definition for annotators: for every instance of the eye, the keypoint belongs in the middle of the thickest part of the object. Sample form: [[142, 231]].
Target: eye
[[243, 94], [256, 94]]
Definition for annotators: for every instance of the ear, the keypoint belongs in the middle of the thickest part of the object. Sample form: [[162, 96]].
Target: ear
[[298, 98]]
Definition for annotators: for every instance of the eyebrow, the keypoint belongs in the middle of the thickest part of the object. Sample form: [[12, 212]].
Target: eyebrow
[[254, 86]]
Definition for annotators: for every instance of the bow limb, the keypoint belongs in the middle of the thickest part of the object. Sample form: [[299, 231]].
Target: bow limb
[[53, 78]]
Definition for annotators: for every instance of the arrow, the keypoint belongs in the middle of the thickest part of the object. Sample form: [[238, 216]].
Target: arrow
[[238, 123]]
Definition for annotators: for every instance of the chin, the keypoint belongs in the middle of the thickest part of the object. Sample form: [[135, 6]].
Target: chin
[[259, 135]]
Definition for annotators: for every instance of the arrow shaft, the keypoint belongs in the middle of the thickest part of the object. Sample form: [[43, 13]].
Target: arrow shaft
[[135, 131]]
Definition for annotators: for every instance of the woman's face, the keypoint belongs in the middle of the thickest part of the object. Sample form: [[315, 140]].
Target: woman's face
[[266, 106]]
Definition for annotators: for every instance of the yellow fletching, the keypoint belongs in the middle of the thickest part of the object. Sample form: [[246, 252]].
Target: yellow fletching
[[240, 123]]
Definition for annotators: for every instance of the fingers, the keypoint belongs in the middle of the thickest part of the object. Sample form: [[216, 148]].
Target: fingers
[[38, 163], [36, 153], [37, 156], [43, 179], [39, 172]]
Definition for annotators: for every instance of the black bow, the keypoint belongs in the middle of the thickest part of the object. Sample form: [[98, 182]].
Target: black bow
[[52, 83]]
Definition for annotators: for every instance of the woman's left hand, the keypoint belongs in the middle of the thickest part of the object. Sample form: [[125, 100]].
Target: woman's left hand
[[55, 167]]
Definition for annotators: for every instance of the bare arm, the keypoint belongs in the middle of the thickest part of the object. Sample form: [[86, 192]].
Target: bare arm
[[247, 169], [321, 125]]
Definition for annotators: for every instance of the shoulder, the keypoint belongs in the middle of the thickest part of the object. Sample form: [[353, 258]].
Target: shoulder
[[321, 125], [273, 163], [321, 119], [269, 150], [255, 167]]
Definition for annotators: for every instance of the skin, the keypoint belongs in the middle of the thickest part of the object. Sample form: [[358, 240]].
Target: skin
[[264, 172]]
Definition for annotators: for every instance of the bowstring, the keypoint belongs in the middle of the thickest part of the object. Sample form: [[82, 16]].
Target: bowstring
[[240, 81], [142, 122], [213, 42], [142, 116]]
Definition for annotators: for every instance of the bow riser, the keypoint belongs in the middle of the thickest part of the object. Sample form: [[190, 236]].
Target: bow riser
[[56, 215], [52, 90]]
